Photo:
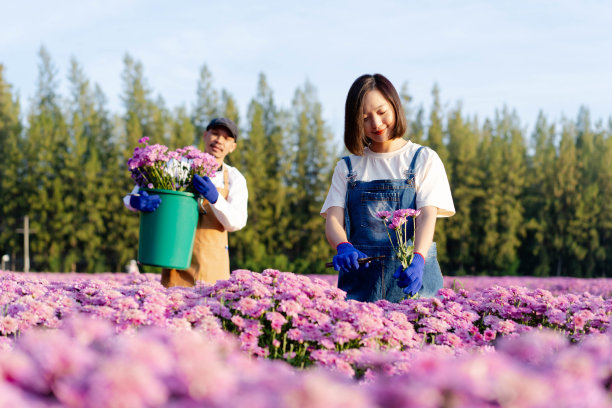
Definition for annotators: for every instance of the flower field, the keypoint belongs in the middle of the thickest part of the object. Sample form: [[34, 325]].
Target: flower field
[[275, 339]]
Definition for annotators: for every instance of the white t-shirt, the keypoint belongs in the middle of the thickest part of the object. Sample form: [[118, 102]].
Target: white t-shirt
[[431, 183], [231, 212]]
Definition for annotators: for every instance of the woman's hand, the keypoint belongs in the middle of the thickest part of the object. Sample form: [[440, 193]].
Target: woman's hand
[[411, 278], [347, 258]]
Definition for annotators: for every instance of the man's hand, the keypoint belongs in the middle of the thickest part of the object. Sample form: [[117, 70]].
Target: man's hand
[[411, 278], [145, 202], [206, 188], [347, 257]]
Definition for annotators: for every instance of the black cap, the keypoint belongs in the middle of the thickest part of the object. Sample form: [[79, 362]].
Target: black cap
[[227, 124]]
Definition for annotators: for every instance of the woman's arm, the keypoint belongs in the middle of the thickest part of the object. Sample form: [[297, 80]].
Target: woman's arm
[[334, 226], [425, 227]]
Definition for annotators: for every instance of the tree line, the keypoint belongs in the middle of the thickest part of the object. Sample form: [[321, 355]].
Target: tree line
[[528, 202]]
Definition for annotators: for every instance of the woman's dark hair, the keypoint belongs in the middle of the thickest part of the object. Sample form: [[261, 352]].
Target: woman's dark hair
[[354, 135]]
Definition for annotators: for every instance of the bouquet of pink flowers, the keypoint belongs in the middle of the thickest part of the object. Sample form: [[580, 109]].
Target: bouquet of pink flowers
[[156, 167], [397, 222]]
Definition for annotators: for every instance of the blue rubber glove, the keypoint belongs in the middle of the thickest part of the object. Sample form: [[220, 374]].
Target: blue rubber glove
[[145, 202], [347, 257], [206, 188], [411, 278]]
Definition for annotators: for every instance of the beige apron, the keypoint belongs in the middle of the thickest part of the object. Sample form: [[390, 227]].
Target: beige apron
[[210, 257]]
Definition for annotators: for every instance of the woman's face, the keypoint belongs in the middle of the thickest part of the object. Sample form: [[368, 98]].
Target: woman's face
[[378, 117]]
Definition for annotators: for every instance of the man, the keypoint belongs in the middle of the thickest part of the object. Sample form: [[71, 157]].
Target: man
[[223, 208]]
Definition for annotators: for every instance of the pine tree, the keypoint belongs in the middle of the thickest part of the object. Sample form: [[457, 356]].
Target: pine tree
[[163, 126], [565, 193], [261, 156], [467, 188], [230, 111], [141, 118], [182, 129], [435, 140], [417, 127], [512, 211], [588, 210], [312, 167], [604, 220], [12, 195], [111, 188], [435, 135], [207, 102], [537, 251], [85, 172], [503, 225], [488, 206], [47, 153], [414, 122]]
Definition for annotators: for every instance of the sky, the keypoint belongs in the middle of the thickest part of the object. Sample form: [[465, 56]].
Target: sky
[[530, 56]]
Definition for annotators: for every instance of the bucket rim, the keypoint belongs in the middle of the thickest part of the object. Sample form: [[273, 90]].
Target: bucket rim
[[162, 191]]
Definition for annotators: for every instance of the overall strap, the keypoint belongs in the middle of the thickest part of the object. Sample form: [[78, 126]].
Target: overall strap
[[414, 159], [350, 177], [410, 173], [347, 160]]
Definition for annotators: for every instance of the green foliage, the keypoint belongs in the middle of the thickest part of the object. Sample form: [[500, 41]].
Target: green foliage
[[309, 179], [415, 128], [435, 140], [462, 243], [525, 205], [207, 102], [182, 130], [537, 250], [11, 172], [88, 128], [47, 151], [260, 150]]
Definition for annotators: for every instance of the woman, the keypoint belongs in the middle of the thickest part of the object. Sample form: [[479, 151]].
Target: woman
[[384, 173]]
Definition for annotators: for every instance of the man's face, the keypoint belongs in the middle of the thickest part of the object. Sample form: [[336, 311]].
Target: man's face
[[219, 143]]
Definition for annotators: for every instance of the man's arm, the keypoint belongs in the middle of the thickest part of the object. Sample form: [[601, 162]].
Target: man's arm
[[232, 212], [127, 197]]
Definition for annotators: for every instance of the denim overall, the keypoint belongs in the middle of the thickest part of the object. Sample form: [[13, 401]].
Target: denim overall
[[368, 233]]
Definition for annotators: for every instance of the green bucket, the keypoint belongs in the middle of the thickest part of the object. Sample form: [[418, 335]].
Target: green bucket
[[167, 234]]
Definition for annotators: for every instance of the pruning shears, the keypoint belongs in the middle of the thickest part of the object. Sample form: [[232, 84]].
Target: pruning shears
[[361, 261]]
